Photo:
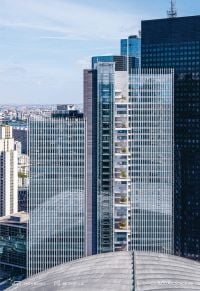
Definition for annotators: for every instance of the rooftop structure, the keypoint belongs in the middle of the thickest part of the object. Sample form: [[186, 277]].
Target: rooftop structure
[[15, 219], [172, 12], [119, 271]]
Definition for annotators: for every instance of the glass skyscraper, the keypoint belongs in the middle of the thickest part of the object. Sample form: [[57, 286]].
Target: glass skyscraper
[[132, 132], [175, 43], [121, 62], [131, 47], [57, 195], [151, 141]]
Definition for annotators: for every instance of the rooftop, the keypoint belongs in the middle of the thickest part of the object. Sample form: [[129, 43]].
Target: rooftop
[[119, 271], [19, 218]]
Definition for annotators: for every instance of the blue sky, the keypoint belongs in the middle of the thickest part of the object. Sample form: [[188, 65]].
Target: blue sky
[[46, 44]]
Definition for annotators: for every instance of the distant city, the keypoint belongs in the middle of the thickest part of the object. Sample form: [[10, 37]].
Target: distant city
[[105, 195]]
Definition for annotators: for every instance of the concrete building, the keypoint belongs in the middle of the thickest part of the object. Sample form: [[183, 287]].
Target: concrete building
[[8, 172], [121, 271]]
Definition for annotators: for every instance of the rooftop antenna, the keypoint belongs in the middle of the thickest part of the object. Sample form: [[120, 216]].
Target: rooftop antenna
[[172, 12]]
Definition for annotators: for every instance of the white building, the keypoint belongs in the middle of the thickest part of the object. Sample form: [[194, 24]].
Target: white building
[[8, 172]]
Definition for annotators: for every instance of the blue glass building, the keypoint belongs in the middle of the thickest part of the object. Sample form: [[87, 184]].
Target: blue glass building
[[121, 62], [131, 47], [175, 43]]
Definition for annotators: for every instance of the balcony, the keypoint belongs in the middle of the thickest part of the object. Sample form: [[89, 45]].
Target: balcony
[[121, 225], [122, 174], [121, 99], [122, 151], [121, 200], [121, 125]]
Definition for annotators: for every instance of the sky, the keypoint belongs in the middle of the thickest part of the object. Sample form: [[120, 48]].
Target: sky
[[46, 44]]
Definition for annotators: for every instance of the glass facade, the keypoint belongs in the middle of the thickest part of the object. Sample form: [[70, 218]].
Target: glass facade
[[105, 103], [134, 174], [175, 43], [13, 247], [57, 200], [121, 62], [151, 162], [131, 47]]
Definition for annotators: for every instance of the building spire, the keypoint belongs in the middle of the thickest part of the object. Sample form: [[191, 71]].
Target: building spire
[[172, 12]]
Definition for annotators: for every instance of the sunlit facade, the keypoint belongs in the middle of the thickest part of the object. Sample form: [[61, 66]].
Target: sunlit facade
[[57, 200], [151, 167], [8, 172], [134, 166]]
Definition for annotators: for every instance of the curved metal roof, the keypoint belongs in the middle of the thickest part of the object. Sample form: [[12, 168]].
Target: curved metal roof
[[118, 271]]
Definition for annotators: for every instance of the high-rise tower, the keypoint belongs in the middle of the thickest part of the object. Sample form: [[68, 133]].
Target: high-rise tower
[[57, 194], [8, 172], [175, 43], [130, 149]]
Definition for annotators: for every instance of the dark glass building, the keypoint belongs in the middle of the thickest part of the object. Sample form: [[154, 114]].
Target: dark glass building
[[175, 43], [13, 248], [22, 198], [20, 134]]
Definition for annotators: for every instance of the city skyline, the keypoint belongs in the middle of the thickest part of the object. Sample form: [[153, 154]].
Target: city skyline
[[99, 144], [46, 44]]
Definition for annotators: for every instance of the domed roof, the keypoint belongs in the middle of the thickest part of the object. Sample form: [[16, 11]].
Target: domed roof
[[117, 272]]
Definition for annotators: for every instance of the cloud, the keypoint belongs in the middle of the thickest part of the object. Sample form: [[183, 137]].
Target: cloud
[[66, 18]]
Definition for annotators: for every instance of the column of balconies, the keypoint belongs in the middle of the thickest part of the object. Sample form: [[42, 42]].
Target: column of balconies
[[121, 174]]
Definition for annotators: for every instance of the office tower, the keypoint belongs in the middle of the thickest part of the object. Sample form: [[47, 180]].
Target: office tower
[[57, 199], [175, 43], [20, 134], [23, 199], [8, 172], [121, 62], [131, 47], [13, 245], [23, 171], [23, 181], [151, 164], [131, 174], [90, 112]]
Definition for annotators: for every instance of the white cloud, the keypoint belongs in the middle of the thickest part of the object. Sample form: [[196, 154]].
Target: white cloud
[[67, 19]]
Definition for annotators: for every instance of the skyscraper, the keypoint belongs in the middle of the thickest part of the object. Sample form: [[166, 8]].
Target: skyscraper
[[131, 47], [151, 143], [57, 198], [8, 172], [121, 62], [175, 43], [132, 121]]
